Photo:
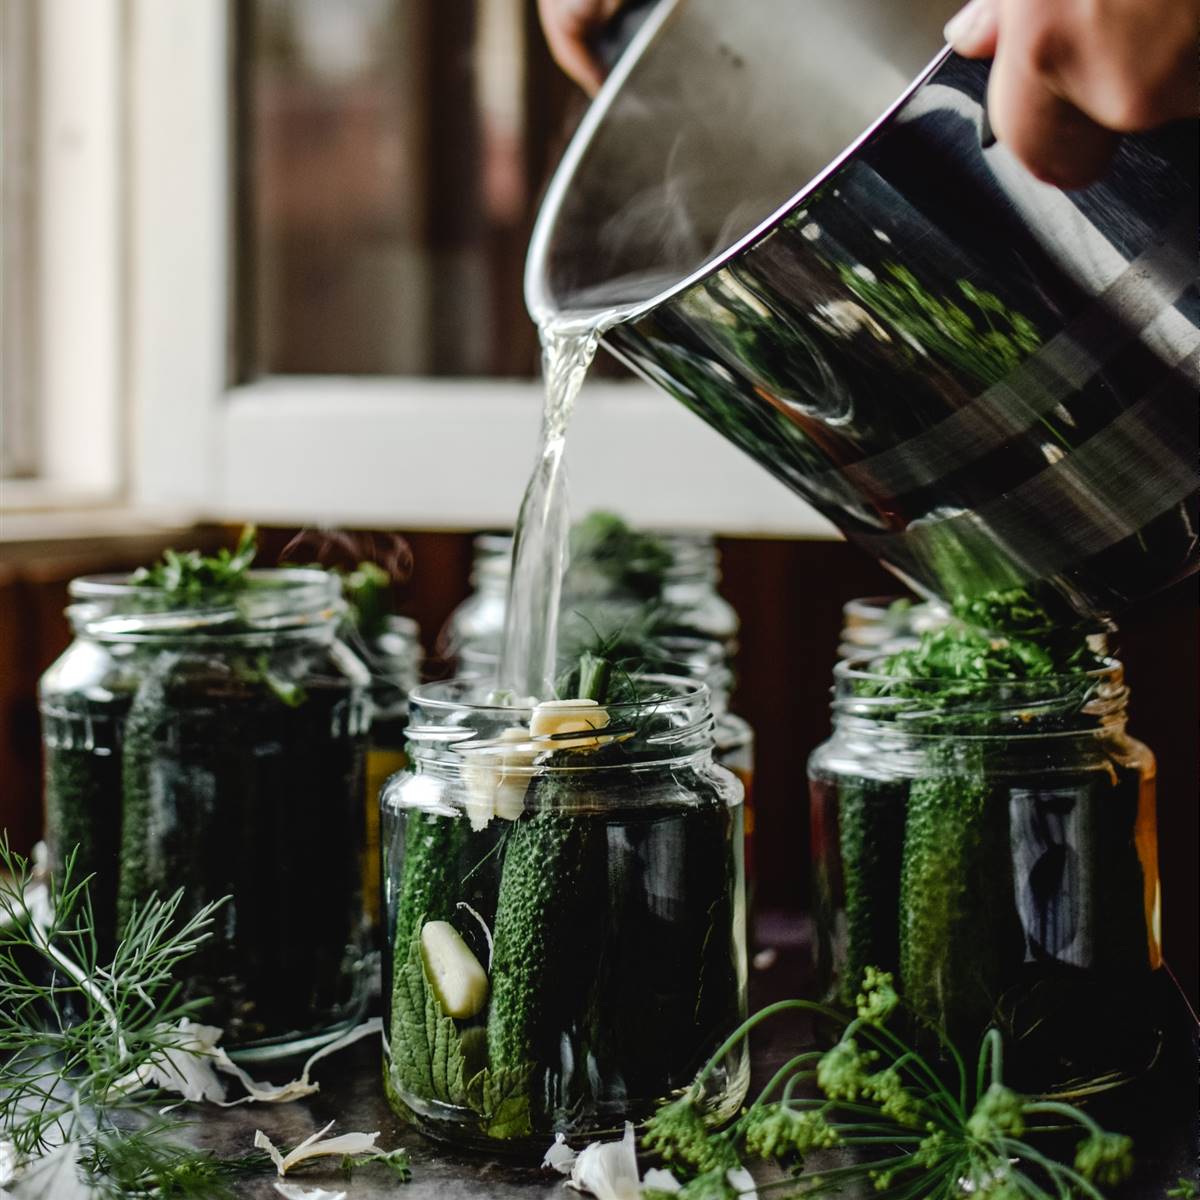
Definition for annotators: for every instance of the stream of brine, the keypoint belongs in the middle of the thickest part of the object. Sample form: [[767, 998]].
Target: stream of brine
[[569, 337], [528, 655]]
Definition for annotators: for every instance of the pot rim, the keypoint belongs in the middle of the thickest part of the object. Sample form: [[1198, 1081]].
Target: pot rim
[[537, 300]]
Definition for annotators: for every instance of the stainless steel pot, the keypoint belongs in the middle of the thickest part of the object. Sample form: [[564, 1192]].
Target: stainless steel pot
[[982, 380]]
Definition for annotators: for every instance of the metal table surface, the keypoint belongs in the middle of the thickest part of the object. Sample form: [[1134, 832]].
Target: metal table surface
[[352, 1094]]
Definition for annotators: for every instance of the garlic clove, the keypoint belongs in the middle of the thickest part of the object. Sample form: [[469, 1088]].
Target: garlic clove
[[458, 980], [479, 797], [557, 717], [510, 797]]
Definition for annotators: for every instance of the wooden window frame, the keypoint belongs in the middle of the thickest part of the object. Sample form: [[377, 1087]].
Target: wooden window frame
[[402, 452]]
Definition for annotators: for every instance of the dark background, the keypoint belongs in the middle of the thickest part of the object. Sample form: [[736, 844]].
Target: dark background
[[788, 595]]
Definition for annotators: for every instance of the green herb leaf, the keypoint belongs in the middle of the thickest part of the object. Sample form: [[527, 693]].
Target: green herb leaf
[[191, 576], [425, 1042], [502, 1100], [368, 592]]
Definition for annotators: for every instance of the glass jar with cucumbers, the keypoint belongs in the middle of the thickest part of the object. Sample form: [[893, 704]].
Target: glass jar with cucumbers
[[984, 828], [565, 909]]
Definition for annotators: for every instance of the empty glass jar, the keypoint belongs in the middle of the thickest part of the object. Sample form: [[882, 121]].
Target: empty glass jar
[[217, 747], [565, 907]]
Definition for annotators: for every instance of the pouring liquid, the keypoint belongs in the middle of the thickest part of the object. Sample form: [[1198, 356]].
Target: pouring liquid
[[528, 655]]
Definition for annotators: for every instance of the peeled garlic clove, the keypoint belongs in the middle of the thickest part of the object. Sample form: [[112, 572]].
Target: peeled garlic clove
[[458, 981], [511, 785], [479, 799], [510, 797], [569, 716]]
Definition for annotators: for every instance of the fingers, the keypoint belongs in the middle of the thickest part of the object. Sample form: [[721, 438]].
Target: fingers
[[1057, 142], [1067, 72], [1054, 139], [569, 26], [1129, 64]]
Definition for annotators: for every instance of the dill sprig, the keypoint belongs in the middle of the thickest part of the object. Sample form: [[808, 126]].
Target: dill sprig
[[75, 1031], [188, 575], [150, 1160], [910, 1132], [72, 1027], [79, 1037]]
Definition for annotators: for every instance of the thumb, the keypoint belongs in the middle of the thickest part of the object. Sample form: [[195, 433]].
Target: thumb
[[972, 30]]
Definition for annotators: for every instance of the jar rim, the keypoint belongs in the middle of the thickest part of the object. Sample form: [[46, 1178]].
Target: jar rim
[[882, 608], [852, 668], [693, 555], [1011, 708], [272, 599], [449, 724], [447, 696]]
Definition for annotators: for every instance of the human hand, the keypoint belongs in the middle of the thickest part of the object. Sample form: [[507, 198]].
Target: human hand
[[569, 26], [1069, 75]]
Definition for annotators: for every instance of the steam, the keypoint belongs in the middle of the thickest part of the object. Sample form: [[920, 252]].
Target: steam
[[730, 112], [343, 550]]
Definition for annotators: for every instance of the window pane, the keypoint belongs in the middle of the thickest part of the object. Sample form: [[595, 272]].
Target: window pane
[[392, 154], [18, 296]]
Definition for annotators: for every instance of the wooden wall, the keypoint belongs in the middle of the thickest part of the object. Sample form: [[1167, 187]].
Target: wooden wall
[[789, 597]]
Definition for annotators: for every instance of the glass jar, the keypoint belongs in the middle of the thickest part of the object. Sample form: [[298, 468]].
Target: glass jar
[[217, 748], [879, 625], [690, 590], [593, 892], [993, 843], [686, 603], [477, 624], [733, 739], [393, 656]]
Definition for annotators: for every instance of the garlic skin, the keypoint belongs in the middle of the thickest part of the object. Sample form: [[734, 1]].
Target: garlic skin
[[292, 1191], [608, 1170], [9, 1162], [458, 980], [557, 717], [316, 1146]]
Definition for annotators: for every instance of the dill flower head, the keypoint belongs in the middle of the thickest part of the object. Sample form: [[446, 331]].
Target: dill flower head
[[999, 1111], [712, 1185], [999, 1186], [774, 1130], [878, 996], [894, 1099], [678, 1134], [1105, 1158], [933, 1148], [842, 1072]]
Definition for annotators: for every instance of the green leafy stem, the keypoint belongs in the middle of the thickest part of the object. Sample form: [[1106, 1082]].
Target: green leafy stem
[[918, 1137]]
